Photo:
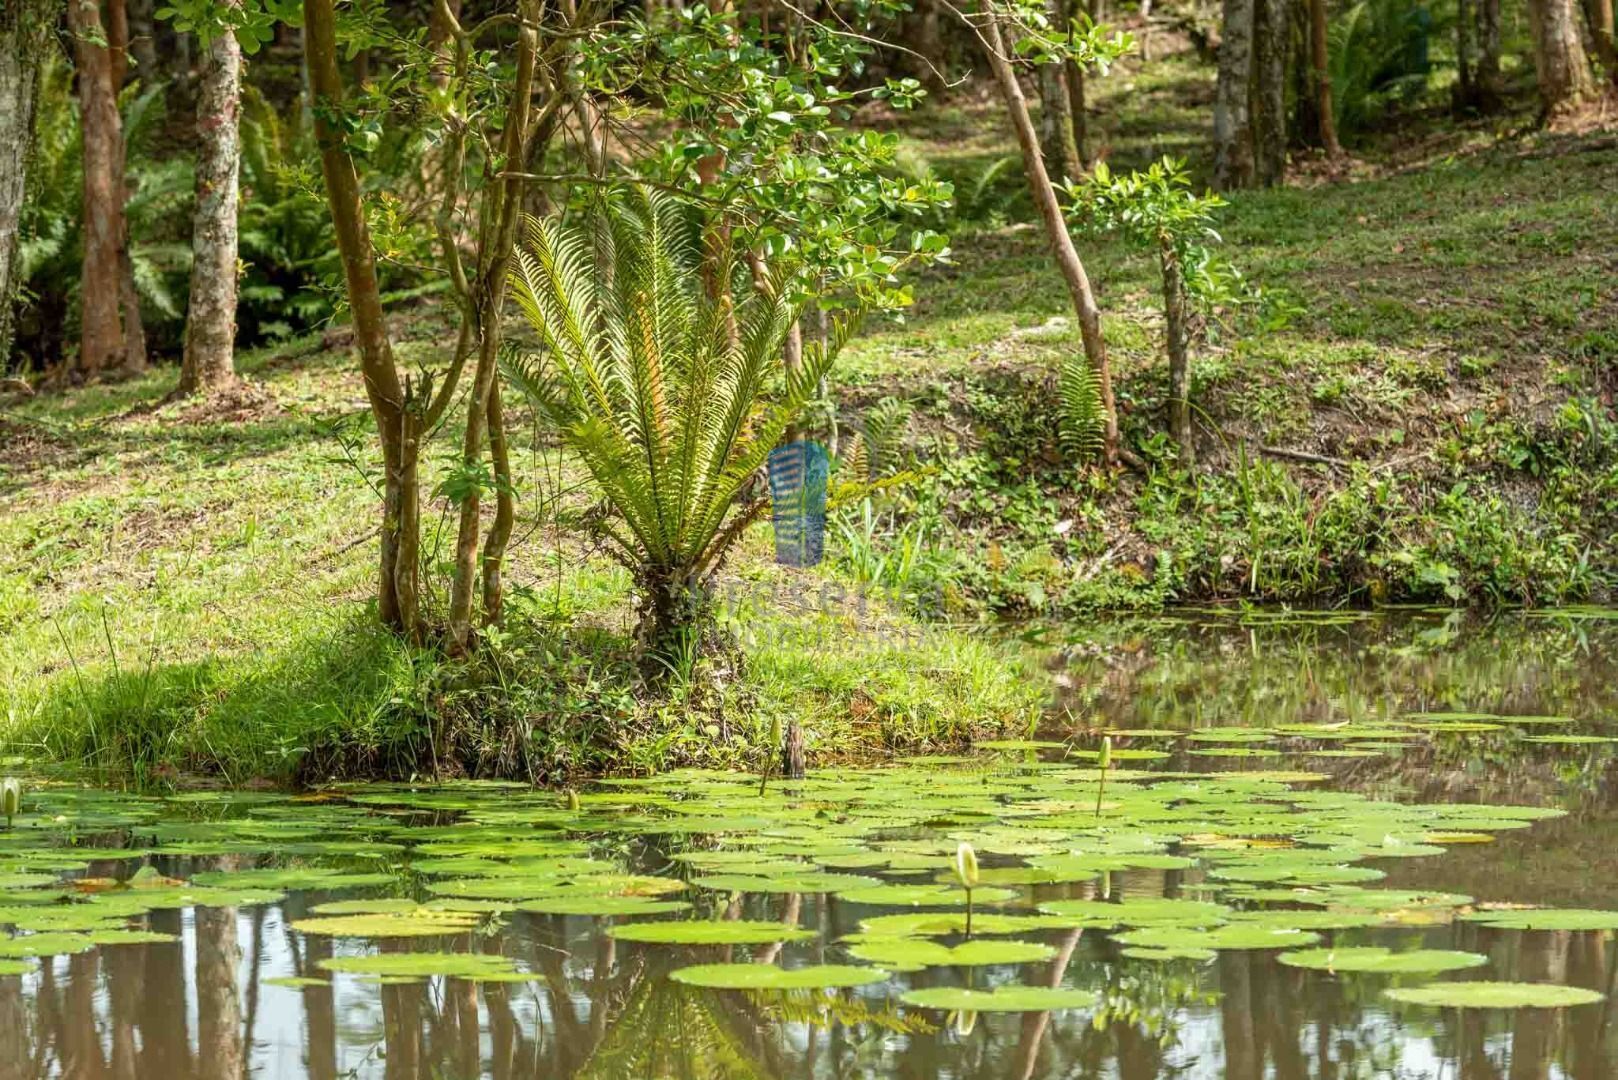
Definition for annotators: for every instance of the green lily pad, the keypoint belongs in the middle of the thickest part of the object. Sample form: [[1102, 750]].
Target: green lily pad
[[1546, 919], [1002, 999], [1383, 961], [925, 895], [419, 964], [422, 922], [602, 906], [1494, 995], [729, 932], [770, 977], [913, 954], [46, 944]]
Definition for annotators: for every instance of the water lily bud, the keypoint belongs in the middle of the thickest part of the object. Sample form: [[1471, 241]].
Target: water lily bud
[[966, 866], [965, 1020], [10, 798], [1104, 759], [573, 800]]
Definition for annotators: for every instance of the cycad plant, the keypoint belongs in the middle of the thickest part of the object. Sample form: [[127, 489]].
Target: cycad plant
[[671, 398]]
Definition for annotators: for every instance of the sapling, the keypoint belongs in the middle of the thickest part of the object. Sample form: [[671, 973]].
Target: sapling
[[966, 872], [1157, 210]]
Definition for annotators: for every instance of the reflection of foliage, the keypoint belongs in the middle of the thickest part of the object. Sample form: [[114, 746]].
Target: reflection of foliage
[[666, 1029], [819, 1011], [1150, 997]]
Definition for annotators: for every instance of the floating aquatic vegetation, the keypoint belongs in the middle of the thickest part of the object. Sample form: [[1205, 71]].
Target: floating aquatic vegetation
[[421, 922], [421, 965], [729, 932], [1382, 961], [1494, 995], [1545, 919], [1006, 998], [770, 977], [914, 954]]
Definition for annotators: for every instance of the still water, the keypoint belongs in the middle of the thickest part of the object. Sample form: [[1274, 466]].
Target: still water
[[1295, 792]]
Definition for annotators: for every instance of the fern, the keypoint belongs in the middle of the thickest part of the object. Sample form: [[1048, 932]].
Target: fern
[[659, 391], [885, 426], [1083, 420]]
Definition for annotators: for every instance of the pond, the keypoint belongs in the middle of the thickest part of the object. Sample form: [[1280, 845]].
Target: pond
[[1319, 846]]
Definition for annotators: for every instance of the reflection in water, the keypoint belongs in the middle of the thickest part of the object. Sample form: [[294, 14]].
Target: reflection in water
[[597, 1009]]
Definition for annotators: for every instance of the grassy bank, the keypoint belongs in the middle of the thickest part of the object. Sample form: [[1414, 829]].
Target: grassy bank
[[1414, 400], [185, 589]]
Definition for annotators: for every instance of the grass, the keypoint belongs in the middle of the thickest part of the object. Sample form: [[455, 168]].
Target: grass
[[185, 589]]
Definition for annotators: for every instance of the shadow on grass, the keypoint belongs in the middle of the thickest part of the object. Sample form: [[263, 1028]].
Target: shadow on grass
[[352, 702]]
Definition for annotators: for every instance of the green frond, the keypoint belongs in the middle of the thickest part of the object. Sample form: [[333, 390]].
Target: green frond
[[1083, 420]]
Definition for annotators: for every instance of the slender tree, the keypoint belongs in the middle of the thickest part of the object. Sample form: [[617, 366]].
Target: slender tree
[[1057, 134], [1234, 165], [101, 340], [1320, 75], [1599, 15], [25, 35], [210, 326], [128, 296], [1272, 37], [1050, 212], [1560, 61]]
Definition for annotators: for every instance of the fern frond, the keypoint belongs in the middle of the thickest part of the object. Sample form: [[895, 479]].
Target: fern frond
[[1083, 422]]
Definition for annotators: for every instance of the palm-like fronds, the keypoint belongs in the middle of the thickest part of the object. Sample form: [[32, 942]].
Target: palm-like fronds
[[1083, 420], [659, 390]]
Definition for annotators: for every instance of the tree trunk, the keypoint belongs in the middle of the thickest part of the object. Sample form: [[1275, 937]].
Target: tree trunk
[[1491, 87], [501, 214], [101, 340], [1233, 125], [1466, 91], [1073, 78], [1320, 63], [397, 425], [1179, 349], [1272, 34], [25, 33], [1056, 134], [1599, 14], [142, 39], [1560, 61], [210, 328], [128, 295], [219, 1011], [1061, 241]]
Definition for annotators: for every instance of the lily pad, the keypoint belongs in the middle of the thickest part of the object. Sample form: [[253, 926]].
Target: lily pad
[[1383, 961], [728, 932], [1494, 995], [914, 954], [770, 977], [1002, 999], [422, 922]]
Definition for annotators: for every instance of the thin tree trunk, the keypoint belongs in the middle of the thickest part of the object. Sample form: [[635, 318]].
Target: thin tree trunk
[[1061, 241], [1073, 73], [397, 426], [210, 328], [1057, 138], [25, 33], [505, 511], [1560, 61], [1233, 125], [1179, 349], [142, 39], [1320, 63], [1490, 83], [1599, 14], [1466, 91], [101, 340], [1272, 34], [128, 294], [502, 212]]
